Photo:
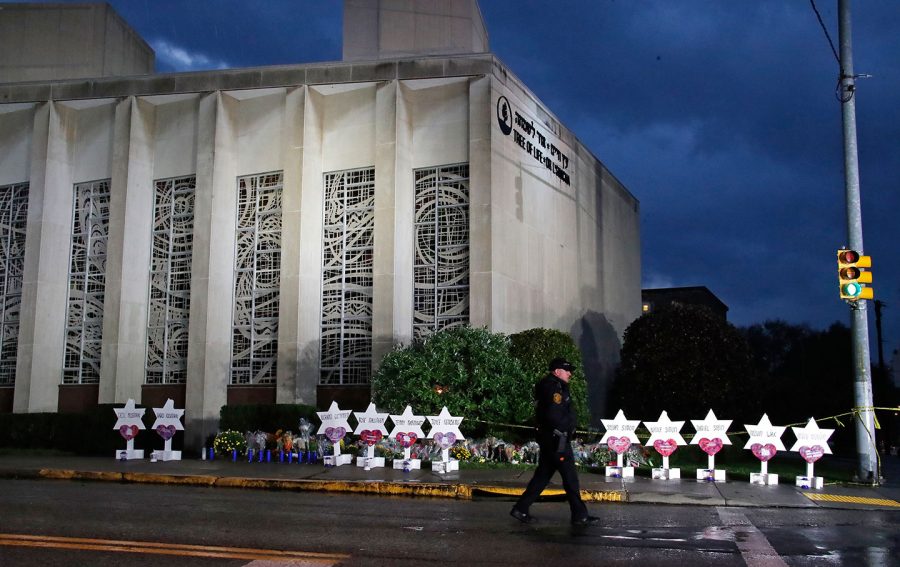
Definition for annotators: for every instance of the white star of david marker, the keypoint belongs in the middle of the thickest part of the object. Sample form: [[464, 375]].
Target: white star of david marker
[[620, 427], [370, 420], [664, 429], [445, 423], [711, 428], [168, 415], [334, 417], [129, 415], [764, 432], [408, 423], [811, 435]]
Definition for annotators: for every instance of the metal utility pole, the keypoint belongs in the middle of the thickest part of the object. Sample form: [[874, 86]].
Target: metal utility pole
[[859, 327]]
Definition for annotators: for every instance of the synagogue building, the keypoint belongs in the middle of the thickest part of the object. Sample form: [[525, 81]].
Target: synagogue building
[[266, 235]]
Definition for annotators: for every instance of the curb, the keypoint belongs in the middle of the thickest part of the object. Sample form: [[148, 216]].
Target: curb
[[383, 488]]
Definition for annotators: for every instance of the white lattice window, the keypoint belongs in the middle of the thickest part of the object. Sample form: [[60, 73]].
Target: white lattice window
[[347, 276], [170, 280], [13, 217], [257, 277], [87, 283], [441, 236]]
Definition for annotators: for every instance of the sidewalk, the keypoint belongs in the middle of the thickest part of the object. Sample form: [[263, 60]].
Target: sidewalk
[[464, 484]]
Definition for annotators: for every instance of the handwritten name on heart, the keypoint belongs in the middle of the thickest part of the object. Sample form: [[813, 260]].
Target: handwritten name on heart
[[370, 437], [710, 446], [665, 447], [129, 432], [166, 431], [335, 434], [763, 452], [406, 440], [618, 444], [444, 440], [811, 454]]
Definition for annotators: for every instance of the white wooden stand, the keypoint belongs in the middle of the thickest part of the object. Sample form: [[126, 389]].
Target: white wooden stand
[[711, 473], [815, 482], [337, 459], [810, 480], [411, 464], [763, 477], [129, 452], [665, 473], [620, 470], [445, 465], [370, 460], [167, 454]]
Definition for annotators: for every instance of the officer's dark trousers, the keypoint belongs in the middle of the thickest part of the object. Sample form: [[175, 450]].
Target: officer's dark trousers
[[548, 463]]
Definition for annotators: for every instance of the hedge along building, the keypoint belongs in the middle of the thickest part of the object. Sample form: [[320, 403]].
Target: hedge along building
[[266, 235]]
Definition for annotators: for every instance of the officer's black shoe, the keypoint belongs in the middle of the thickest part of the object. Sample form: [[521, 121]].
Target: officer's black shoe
[[586, 521], [521, 516]]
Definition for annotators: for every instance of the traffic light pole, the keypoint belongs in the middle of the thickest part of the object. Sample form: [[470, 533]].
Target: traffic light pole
[[859, 327]]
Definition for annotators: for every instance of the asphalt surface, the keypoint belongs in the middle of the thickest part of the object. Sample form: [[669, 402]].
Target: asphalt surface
[[465, 484]]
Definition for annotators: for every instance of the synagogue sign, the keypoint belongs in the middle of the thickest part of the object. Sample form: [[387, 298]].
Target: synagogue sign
[[528, 136]]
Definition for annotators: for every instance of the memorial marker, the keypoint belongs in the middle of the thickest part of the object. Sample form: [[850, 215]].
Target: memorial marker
[[128, 424], [764, 442], [665, 437], [711, 437]]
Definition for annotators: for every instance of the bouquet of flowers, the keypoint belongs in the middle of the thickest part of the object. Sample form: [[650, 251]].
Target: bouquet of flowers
[[228, 441]]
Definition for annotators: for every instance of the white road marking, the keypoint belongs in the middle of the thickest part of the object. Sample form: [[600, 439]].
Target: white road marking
[[753, 545]]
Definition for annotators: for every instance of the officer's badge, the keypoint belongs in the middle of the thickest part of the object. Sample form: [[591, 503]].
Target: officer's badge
[[557, 398]]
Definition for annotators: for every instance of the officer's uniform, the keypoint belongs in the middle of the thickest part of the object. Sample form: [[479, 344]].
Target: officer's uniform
[[555, 416]]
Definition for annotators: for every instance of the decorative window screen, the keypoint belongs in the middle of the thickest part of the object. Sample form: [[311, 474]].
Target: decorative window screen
[[441, 264], [257, 277], [347, 276], [87, 283], [170, 280], [13, 216]]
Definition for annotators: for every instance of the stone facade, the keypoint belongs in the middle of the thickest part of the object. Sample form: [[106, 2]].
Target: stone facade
[[552, 236]]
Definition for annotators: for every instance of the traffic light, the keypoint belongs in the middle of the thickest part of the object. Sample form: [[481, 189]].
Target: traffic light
[[853, 275]]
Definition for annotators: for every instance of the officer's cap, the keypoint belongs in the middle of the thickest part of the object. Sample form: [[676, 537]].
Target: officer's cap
[[561, 363]]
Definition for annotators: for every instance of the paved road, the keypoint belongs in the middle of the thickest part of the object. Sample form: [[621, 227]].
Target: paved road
[[75, 522]]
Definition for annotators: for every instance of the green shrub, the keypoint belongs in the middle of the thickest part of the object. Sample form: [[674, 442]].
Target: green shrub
[[88, 433], [265, 417], [469, 370], [535, 348]]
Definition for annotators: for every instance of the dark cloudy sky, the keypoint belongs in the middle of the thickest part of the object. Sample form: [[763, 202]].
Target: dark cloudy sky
[[719, 116]]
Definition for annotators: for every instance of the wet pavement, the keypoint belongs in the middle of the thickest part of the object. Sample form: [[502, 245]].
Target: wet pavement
[[468, 483]]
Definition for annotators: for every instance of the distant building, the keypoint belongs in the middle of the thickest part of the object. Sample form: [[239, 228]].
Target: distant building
[[266, 235], [653, 299], [52, 42]]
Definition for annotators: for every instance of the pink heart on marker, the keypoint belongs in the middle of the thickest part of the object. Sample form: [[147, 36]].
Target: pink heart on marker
[[129, 432], [370, 437], [406, 440], [665, 447], [618, 444], [335, 434], [710, 446], [444, 440], [811, 454], [166, 431], [763, 452]]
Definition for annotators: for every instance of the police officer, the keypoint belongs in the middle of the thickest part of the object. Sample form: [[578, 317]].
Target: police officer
[[556, 420]]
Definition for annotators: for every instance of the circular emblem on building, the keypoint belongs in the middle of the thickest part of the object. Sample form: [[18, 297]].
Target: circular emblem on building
[[504, 115]]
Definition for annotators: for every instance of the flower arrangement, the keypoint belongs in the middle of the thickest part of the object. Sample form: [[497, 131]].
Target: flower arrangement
[[228, 441], [460, 453], [284, 440]]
